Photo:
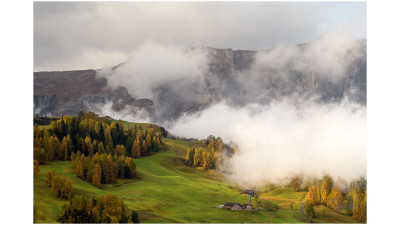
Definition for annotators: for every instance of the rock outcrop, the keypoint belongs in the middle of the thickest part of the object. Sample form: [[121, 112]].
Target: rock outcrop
[[68, 92]]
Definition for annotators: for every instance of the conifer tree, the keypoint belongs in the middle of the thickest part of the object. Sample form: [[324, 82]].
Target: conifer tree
[[36, 168], [335, 199], [49, 177], [120, 150], [61, 187], [198, 157], [64, 149], [312, 195], [309, 209], [88, 146], [190, 156], [144, 148], [56, 145], [96, 179], [329, 181], [207, 164], [136, 148], [363, 210], [359, 205], [101, 148], [324, 191], [148, 142]]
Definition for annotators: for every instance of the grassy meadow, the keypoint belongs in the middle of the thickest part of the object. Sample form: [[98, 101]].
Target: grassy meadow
[[170, 192]]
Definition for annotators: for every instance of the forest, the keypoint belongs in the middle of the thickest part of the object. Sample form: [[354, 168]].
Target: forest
[[100, 150]]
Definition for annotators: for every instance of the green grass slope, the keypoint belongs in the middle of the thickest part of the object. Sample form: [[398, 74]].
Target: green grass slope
[[166, 192], [288, 199]]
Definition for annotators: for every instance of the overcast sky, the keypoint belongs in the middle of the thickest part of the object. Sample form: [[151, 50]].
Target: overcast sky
[[93, 35]]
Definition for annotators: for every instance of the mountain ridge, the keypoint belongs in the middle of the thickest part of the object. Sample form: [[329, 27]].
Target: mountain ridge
[[68, 92]]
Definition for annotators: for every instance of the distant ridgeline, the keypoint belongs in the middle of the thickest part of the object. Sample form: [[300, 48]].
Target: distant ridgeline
[[101, 150], [233, 76]]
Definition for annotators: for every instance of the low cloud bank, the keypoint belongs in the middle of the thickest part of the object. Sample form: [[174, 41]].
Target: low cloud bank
[[282, 138], [153, 65], [279, 112], [128, 113]]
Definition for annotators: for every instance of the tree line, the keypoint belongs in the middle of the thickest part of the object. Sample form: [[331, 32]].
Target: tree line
[[104, 209], [100, 149], [89, 134]]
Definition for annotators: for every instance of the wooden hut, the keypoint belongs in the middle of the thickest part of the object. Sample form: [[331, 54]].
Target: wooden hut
[[247, 206], [233, 206]]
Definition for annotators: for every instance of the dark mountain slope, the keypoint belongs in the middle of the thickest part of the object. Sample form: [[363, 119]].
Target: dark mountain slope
[[229, 78]]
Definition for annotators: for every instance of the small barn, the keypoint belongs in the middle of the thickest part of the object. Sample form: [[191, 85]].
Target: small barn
[[233, 206], [247, 206]]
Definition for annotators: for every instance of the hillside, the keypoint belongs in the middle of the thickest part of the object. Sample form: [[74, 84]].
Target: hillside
[[60, 93], [69, 92], [167, 191]]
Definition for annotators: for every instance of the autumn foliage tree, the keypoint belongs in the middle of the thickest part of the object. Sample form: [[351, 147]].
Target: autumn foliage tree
[[363, 210], [61, 187], [96, 179], [136, 148], [324, 192], [36, 169], [49, 178], [329, 182], [359, 205], [335, 199], [312, 195], [120, 150]]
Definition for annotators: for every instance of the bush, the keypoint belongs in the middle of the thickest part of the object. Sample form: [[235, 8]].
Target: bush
[[36, 169], [61, 187], [135, 217], [309, 208], [49, 178]]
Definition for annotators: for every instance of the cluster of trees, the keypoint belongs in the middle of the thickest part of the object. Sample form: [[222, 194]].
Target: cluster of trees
[[103, 168], [333, 199], [89, 134], [209, 155], [47, 146], [105, 209], [142, 142], [338, 196], [61, 186], [100, 149]]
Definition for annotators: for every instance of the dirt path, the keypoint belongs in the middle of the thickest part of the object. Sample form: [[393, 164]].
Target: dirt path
[[302, 213]]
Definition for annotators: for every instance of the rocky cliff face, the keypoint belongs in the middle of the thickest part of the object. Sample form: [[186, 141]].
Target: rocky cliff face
[[228, 77], [68, 92]]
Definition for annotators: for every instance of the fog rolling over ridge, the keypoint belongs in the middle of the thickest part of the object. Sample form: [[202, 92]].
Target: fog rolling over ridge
[[290, 109], [283, 138]]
